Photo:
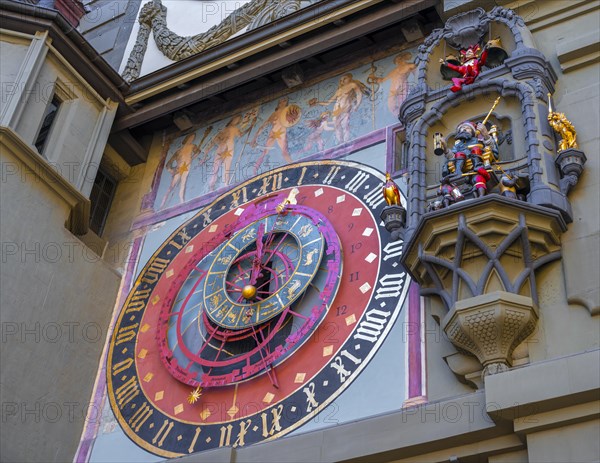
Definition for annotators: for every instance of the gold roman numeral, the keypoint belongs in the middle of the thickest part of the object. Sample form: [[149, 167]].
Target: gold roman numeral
[[127, 392], [140, 417], [162, 433], [121, 366], [126, 333]]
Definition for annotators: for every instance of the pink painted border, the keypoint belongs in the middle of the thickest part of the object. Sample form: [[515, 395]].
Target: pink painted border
[[92, 424], [415, 347]]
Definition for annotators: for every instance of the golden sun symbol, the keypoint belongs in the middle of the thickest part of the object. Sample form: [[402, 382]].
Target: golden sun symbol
[[195, 395]]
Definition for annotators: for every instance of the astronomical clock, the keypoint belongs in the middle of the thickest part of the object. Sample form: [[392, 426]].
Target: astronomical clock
[[257, 312]]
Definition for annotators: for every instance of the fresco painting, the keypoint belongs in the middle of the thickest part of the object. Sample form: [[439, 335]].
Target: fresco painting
[[290, 128]]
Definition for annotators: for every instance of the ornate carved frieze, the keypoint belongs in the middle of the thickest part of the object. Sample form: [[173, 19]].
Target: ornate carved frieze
[[153, 17]]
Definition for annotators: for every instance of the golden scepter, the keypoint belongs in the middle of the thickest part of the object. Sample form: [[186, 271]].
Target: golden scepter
[[491, 110], [488, 155], [475, 173]]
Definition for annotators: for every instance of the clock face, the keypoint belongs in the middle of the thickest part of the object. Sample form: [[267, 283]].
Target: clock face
[[258, 312]]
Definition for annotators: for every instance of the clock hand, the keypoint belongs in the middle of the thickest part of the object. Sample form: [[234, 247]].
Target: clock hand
[[257, 263], [291, 199]]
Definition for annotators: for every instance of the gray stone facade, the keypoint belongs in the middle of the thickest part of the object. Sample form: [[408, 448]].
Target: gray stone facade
[[528, 392]]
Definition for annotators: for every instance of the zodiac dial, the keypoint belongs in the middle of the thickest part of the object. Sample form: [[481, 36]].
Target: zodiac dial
[[256, 313]]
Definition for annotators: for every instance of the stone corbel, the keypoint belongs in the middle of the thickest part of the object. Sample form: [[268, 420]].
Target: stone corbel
[[480, 257], [570, 163], [491, 326]]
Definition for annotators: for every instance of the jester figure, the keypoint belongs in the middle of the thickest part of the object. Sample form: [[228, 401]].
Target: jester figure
[[470, 67]]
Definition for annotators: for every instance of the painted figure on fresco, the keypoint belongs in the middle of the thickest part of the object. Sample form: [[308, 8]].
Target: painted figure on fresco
[[179, 167], [283, 117], [347, 98], [266, 133], [398, 78], [224, 142], [316, 128], [469, 68]]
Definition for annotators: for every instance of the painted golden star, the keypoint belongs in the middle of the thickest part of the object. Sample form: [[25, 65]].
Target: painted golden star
[[183, 168], [276, 134], [195, 395]]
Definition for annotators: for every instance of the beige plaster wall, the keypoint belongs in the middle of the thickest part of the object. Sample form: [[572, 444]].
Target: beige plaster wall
[[567, 33], [578, 443], [12, 51], [73, 130], [56, 299], [32, 73]]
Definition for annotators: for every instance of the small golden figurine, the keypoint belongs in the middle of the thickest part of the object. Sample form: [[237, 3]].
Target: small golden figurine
[[195, 395], [390, 191], [563, 127]]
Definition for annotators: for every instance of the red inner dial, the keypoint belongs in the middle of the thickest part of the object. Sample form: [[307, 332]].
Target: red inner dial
[[311, 329]]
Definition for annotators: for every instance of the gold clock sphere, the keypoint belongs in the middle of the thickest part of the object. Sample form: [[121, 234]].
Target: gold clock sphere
[[248, 292]]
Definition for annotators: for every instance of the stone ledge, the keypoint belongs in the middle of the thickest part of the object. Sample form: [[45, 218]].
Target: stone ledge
[[403, 434], [11, 143], [558, 418], [544, 386]]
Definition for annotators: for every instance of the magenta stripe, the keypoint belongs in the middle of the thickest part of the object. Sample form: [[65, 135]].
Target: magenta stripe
[[415, 357]]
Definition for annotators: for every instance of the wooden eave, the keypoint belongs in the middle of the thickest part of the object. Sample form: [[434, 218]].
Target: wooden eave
[[314, 29]]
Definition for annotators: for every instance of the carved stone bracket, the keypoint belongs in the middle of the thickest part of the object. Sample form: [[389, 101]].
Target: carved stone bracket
[[490, 326], [570, 163], [394, 218], [482, 245], [480, 257]]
